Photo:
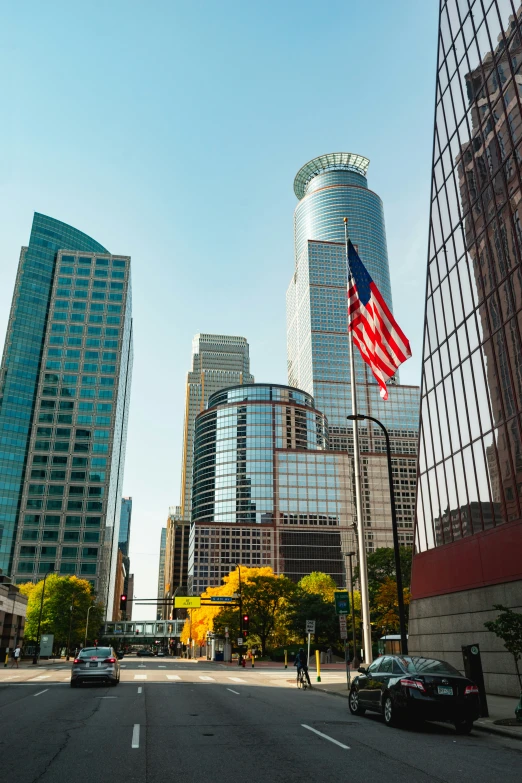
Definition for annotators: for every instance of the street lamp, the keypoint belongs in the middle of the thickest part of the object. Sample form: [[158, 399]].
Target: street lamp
[[87, 623], [355, 661], [240, 656], [37, 648], [400, 594]]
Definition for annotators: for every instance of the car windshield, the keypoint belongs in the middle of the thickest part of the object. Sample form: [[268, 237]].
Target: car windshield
[[427, 666], [96, 652]]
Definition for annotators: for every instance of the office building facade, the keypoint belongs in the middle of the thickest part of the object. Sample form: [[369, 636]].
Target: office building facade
[[330, 188], [469, 512], [176, 558], [125, 525], [218, 361], [64, 397], [161, 573]]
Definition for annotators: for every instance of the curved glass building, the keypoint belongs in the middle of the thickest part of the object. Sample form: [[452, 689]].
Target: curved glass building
[[330, 188], [234, 482]]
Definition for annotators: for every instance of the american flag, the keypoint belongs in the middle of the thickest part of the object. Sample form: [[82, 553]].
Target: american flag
[[375, 331]]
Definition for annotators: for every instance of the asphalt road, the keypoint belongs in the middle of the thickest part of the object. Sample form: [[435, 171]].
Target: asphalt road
[[220, 724]]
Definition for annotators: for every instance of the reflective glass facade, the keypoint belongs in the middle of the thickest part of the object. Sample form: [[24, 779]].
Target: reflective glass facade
[[471, 448], [125, 525], [71, 464], [218, 361]]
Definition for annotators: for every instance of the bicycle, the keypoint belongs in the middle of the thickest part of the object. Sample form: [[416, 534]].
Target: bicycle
[[302, 682]]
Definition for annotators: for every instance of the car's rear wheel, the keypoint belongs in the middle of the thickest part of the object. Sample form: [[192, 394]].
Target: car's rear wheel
[[74, 684], [391, 716], [463, 726], [354, 704]]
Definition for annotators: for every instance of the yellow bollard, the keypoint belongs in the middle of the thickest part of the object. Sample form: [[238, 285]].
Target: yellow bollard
[[318, 664], [253, 659], [6, 658], [286, 659]]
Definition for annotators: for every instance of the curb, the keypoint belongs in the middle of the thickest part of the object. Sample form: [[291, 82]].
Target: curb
[[485, 727]]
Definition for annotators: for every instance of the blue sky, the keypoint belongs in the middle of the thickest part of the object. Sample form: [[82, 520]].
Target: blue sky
[[172, 132]]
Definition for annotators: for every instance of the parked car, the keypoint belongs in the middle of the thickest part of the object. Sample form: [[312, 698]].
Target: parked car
[[402, 687], [145, 653], [95, 664]]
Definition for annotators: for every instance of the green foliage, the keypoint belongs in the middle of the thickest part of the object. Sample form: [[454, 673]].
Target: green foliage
[[310, 606], [62, 593], [319, 583], [381, 566], [508, 627]]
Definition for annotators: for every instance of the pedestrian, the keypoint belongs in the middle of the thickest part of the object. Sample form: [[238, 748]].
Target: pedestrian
[[16, 656], [329, 655]]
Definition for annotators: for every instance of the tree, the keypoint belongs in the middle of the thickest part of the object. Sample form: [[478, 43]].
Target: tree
[[66, 602], [263, 598], [381, 566], [320, 584], [385, 606], [508, 627], [311, 606]]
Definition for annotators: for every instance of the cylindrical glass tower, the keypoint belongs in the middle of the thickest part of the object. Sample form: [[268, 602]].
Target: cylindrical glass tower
[[330, 188]]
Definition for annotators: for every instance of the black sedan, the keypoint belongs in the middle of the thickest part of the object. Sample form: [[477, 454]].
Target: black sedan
[[402, 687]]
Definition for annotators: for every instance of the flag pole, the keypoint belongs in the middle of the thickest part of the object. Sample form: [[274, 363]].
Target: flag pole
[[363, 569]]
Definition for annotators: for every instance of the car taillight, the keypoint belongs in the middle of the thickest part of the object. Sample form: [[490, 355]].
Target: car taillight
[[77, 660], [110, 660], [413, 684], [471, 689]]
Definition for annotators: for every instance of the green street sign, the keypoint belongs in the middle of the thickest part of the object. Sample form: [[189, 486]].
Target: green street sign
[[342, 602]]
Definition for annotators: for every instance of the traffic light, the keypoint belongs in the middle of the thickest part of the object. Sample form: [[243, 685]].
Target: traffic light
[[245, 625], [123, 602]]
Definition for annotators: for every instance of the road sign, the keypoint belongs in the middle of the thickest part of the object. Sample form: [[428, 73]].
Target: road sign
[[342, 602], [222, 598], [310, 626], [240, 640], [187, 602], [342, 622]]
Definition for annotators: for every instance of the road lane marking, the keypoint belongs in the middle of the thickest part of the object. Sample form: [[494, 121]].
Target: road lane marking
[[173, 677], [39, 694], [141, 666], [41, 677], [14, 677], [325, 736], [136, 736], [140, 676], [123, 666], [236, 692], [236, 679], [162, 667], [140, 689], [206, 679]]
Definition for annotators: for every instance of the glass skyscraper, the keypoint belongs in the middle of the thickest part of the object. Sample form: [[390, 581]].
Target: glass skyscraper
[[64, 398], [330, 188], [125, 525], [469, 510], [217, 361]]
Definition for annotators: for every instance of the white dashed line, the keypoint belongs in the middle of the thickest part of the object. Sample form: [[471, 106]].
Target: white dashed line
[[236, 692], [140, 689], [136, 736], [325, 736], [39, 694], [162, 667]]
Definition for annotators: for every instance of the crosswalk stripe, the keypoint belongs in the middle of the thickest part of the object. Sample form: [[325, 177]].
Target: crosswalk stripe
[[236, 679], [206, 679], [140, 676], [41, 677], [173, 677]]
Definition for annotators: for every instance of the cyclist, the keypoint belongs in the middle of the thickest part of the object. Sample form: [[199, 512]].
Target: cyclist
[[302, 663]]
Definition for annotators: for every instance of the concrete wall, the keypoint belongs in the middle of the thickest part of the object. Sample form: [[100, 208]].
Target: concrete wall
[[440, 625]]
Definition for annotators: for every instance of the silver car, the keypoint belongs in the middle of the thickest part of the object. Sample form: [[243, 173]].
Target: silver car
[[95, 664]]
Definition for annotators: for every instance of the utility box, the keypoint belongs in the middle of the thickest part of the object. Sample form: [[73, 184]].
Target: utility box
[[473, 671], [46, 645]]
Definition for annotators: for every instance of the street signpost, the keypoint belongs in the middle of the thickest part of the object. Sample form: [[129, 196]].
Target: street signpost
[[342, 602], [310, 629], [187, 602], [240, 641], [222, 598], [342, 626]]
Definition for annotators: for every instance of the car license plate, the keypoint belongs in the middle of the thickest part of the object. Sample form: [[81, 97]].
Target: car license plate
[[93, 664], [444, 690]]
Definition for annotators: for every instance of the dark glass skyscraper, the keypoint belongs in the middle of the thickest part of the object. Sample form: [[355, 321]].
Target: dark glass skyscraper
[[469, 510], [64, 395], [125, 525]]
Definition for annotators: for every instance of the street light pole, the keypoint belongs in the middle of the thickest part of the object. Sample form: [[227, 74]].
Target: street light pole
[[355, 661], [37, 648], [398, 574], [240, 656], [87, 623]]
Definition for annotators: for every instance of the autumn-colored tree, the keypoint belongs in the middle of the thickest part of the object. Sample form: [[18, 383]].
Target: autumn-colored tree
[[201, 620], [385, 606], [320, 584], [66, 602]]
